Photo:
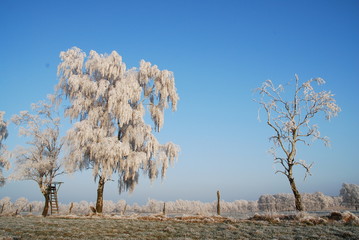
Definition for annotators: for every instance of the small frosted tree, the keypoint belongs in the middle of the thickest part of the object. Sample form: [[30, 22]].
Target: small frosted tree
[[109, 102], [291, 121], [4, 163], [21, 204], [350, 194], [40, 160]]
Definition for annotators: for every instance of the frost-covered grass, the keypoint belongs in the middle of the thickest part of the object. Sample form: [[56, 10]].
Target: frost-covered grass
[[156, 227]]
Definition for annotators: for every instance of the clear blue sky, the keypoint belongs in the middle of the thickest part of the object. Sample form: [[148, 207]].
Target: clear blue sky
[[219, 52]]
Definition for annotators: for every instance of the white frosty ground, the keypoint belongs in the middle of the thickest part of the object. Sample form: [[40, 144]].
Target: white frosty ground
[[107, 228]]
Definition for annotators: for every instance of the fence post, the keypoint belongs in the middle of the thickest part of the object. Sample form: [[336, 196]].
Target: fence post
[[164, 209], [218, 203], [124, 209]]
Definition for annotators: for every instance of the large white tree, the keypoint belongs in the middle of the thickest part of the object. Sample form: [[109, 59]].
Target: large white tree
[[40, 160], [289, 114], [110, 102], [4, 163]]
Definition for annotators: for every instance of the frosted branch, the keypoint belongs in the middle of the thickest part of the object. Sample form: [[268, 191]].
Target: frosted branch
[[291, 119]]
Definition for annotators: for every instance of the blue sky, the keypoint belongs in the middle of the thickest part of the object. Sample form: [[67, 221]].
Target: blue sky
[[219, 52]]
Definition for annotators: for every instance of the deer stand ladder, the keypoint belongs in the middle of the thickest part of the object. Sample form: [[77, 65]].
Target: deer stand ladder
[[54, 205]]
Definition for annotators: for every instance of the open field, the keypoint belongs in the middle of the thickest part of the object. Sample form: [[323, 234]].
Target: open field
[[35, 227]]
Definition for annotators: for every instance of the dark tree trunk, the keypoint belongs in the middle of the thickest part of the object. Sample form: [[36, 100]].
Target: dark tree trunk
[[297, 196], [46, 206], [99, 201]]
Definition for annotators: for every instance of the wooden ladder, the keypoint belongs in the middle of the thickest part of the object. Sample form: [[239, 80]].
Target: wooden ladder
[[53, 199]]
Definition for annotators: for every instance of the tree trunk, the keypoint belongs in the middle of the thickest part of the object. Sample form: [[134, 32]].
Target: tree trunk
[[297, 196], [71, 206], [46, 206], [99, 201]]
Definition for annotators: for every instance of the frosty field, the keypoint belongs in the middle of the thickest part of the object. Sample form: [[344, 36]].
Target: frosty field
[[35, 227]]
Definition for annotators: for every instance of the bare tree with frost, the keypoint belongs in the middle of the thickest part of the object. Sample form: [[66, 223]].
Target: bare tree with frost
[[4, 163], [110, 102], [290, 120], [40, 160]]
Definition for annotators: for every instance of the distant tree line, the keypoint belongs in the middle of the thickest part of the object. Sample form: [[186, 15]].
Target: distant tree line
[[349, 196]]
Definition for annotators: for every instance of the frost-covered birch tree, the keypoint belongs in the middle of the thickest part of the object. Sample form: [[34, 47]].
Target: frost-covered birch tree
[[290, 120], [4, 163], [110, 102], [40, 160]]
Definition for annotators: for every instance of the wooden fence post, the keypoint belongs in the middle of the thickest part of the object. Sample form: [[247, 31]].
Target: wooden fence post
[[218, 203], [164, 209], [124, 210]]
